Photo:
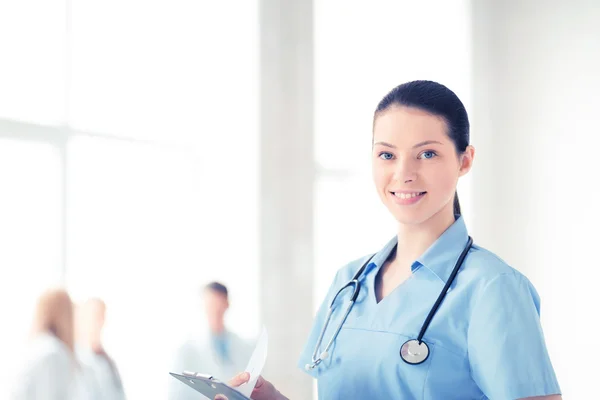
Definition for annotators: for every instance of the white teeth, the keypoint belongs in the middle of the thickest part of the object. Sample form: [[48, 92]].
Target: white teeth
[[406, 195]]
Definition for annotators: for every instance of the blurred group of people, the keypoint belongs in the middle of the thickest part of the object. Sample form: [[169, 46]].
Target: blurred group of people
[[65, 358]]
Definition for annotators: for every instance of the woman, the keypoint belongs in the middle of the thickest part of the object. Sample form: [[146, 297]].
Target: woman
[[50, 370], [485, 339], [99, 365]]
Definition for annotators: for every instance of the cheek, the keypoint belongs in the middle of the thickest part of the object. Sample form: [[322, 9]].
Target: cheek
[[443, 179], [380, 176]]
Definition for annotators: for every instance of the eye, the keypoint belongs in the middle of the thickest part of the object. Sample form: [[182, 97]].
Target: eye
[[386, 156], [427, 154]]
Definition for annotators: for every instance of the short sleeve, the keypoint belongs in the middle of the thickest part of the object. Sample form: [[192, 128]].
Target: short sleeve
[[506, 346]]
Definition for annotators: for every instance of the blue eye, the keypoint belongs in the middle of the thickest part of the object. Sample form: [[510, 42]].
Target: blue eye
[[386, 156], [427, 154]]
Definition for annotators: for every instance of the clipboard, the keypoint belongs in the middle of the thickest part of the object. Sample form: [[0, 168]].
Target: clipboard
[[208, 386]]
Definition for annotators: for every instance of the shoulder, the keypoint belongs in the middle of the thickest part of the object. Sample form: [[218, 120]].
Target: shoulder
[[342, 276], [185, 353], [347, 272], [487, 266], [51, 351], [238, 340], [190, 346], [486, 271]]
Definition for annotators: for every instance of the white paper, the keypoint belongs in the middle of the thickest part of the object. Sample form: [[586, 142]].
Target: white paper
[[256, 363]]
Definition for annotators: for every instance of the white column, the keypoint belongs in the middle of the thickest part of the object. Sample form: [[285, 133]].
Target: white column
[[286, 188]]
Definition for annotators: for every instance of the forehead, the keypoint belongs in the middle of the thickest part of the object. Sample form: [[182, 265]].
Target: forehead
[[213, 294], [407, 125], [92, 306]]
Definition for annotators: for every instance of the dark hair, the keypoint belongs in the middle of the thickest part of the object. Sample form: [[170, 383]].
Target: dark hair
[[217, 287], [438, 100]]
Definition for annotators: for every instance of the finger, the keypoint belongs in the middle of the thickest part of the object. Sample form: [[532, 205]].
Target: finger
[[259, 382], [239, 379], [220, 397]]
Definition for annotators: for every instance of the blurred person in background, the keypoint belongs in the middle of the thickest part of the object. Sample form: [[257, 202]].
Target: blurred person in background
[[50, 370], [90, 319], [220, 353]]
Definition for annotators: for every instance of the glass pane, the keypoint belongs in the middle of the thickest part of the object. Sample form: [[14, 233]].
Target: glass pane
[[147, 227], [168, 70], [350, 222], [32, 70], [363, 49], [30, 233]]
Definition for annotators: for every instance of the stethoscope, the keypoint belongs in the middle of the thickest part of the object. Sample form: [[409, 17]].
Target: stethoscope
[[413, 351]]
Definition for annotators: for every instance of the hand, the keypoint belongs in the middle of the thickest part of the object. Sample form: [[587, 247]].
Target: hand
[[263, 390]]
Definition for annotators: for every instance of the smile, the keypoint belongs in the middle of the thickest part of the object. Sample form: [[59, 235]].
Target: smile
[[408, 195], [407, 198]]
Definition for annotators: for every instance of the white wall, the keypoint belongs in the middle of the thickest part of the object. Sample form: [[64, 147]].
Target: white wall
[[535, 126]]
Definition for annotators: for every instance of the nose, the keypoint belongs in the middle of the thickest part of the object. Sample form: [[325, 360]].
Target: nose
[[405, 170]]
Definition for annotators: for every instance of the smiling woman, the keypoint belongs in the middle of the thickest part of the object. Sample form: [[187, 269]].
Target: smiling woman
[[442, 125], [429, 286]]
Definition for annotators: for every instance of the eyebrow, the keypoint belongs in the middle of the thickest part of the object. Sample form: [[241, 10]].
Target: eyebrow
[[420, 144]]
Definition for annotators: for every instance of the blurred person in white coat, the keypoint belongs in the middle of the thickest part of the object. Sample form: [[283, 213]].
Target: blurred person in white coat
[[50, 370], [91, 316], [219, 353]]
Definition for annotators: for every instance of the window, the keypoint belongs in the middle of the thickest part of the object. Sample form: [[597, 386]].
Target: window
[[30, 233], [132, 171], [32, 71]]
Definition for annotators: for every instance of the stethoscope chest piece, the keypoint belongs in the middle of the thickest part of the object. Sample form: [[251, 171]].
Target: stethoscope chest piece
[[413, 352]]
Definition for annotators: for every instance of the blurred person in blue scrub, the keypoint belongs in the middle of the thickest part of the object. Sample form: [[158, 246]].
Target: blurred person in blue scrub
[[220, 352], [435, 316], [50, 370], [90, 350]]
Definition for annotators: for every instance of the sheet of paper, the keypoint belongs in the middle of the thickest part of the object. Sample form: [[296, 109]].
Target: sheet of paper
[[256, 363]]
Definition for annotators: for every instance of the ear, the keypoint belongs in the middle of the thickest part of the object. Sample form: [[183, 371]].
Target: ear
[[466, 160]]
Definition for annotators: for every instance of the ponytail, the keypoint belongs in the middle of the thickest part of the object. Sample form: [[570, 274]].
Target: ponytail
[[456, 205]]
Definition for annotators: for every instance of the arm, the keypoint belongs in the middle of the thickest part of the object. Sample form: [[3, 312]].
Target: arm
[[506, 346]]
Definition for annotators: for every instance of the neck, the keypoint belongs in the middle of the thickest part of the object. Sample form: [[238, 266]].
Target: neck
[[94, 343], [218, 328], [414, 240]]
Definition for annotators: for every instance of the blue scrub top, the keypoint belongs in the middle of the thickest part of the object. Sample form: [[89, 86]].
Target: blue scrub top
[[485, 340]]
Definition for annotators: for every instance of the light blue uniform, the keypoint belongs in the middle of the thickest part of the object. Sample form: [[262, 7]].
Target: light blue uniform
[[485, 340]]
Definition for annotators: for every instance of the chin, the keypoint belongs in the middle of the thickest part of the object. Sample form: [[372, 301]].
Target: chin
[[405, 219], [415, 216], [410, 215]]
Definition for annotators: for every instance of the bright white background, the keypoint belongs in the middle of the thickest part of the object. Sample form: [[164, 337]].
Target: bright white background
[[129, 157], [123, 127]]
